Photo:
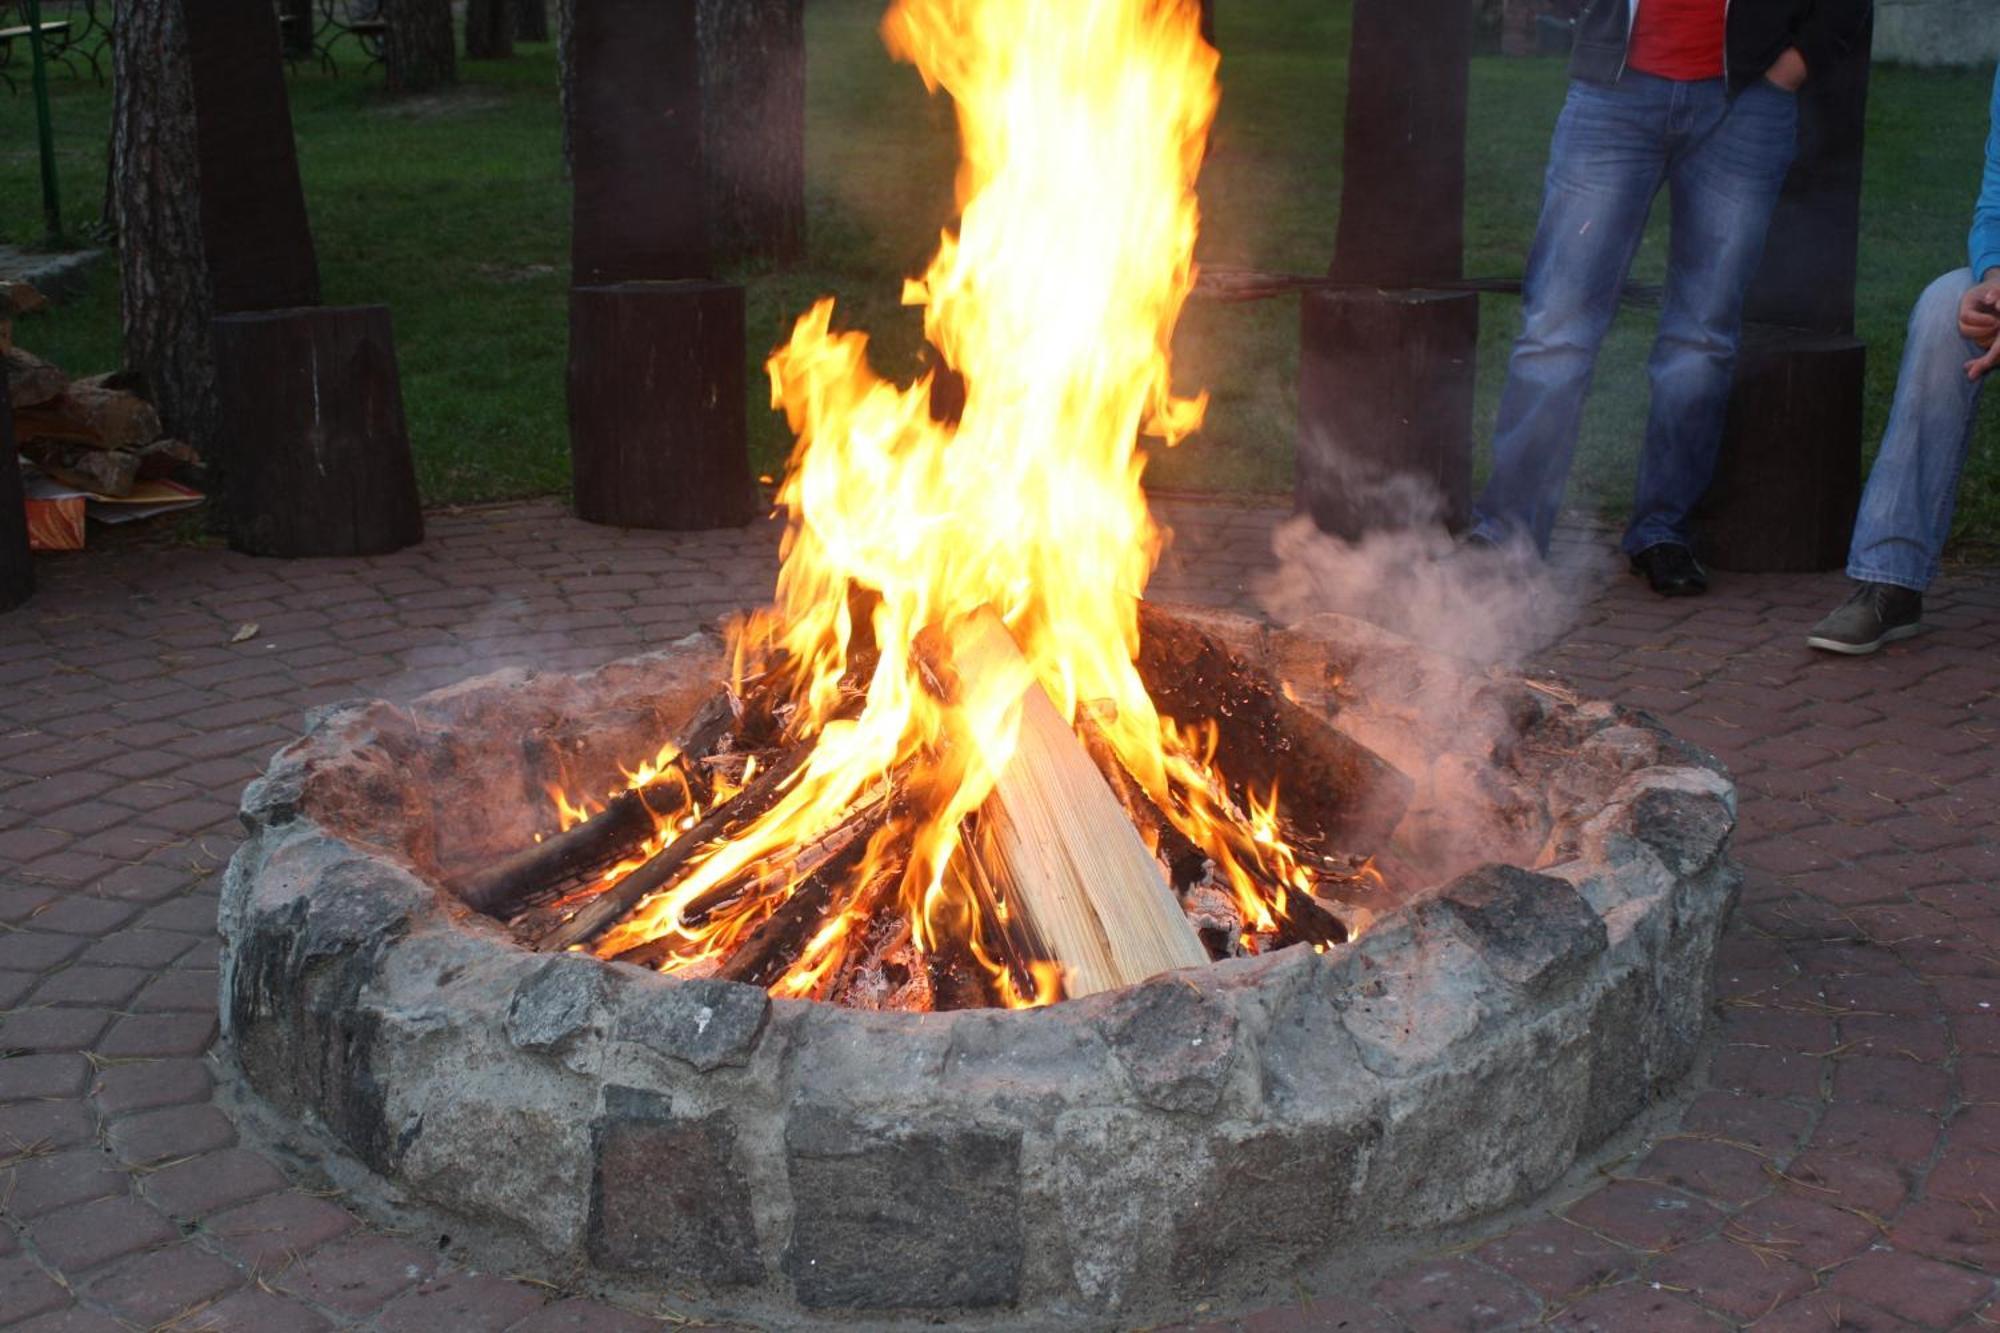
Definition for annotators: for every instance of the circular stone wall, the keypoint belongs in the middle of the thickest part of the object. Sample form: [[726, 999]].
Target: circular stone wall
[[1201, 1136]]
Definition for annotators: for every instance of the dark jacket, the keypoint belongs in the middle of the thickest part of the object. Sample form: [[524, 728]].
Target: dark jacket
[[1758, 33]]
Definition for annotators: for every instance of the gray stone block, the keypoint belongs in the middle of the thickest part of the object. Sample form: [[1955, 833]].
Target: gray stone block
[[1534, 930], [705, 1024], [903, 1217], [1176, 1044], [669, 1195]]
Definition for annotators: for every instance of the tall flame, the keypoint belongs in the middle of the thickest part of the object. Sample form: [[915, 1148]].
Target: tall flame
[[1083, 127]]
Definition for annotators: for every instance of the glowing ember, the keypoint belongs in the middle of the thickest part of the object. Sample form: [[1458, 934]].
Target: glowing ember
[[1083, 127]]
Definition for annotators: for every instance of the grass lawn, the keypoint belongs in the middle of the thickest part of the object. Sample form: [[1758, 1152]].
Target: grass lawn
[[453, 210]]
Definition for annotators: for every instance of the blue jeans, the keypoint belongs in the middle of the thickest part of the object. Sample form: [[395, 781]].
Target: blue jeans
[[1723, 161], [1906, 511]]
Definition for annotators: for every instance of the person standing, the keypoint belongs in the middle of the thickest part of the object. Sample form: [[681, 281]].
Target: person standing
[[1699, 96], [1905, 517]]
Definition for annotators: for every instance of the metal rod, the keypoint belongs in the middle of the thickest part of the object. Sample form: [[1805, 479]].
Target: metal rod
[[51, 201]]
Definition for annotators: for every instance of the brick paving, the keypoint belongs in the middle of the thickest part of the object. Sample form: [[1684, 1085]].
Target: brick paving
[[1837, 1166]]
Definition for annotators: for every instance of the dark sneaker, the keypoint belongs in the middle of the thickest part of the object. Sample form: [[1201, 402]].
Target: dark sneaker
[[1876, 613], [1671, 569]]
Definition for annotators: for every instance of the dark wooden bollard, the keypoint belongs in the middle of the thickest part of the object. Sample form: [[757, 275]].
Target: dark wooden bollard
[[1385, 408], [656, 405], [255, 234], [1789, 480], [317, 456], [17, 566]]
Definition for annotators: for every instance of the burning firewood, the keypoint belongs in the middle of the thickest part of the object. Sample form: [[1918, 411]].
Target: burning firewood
[[764, 955], [1185, 862], [608, 908], [1061, 851], [622, 825]]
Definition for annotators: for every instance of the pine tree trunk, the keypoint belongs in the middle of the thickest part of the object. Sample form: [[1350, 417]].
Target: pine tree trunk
[[489, 29], [164, 286], [418, 53], [531, 20]]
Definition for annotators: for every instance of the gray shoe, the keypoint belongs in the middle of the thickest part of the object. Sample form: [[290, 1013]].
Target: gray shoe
[[1875, 614]]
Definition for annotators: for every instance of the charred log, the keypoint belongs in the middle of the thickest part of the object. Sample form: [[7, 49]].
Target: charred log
[[1328, 783]]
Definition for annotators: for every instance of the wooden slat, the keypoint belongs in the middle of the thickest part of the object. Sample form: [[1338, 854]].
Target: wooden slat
[[1061, 850]]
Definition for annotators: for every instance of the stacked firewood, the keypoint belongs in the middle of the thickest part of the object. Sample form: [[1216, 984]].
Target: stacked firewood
[[96, 433]]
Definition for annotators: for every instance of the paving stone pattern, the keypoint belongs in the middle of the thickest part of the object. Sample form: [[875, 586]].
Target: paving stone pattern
[[1837, 1168]]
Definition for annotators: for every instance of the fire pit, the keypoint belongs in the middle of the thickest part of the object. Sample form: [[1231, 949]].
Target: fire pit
[[1201, 1134], [963, 933]]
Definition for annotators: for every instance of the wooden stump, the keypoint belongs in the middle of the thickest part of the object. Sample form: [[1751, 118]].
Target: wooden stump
[[17, 565], [1789, 480], [418, 53], [638, 211], [1402, 195], [656, 405], [318, 459], [1385, 408], [255, 234]]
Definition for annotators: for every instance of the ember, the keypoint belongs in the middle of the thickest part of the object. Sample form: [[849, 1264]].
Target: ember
[[903, 791]]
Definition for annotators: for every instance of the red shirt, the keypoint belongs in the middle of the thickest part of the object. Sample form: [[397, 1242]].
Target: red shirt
[[1678, 39]]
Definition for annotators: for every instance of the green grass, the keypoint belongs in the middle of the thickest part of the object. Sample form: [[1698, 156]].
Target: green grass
[[453, 210]]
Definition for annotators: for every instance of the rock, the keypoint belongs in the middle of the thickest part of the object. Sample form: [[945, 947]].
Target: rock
[[1118, 1172], [1687, 826], [1622, 1078], [559, 1001], [669, 1195], [1269, 1203], [1174, 1042], [703, 1023], [890, 1217], [1534, 930]]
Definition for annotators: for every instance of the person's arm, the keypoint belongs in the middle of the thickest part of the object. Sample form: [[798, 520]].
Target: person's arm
[[1979, 313], [1830, 32]]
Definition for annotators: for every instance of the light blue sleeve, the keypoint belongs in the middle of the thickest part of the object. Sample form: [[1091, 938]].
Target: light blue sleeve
[[1986, 216]]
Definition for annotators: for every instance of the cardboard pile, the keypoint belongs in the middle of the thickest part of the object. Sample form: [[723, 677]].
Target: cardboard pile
[[90, 446]]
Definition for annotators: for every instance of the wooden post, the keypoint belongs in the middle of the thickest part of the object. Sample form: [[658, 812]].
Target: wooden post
[[638, 210], [1402, 193], [489, 29], [1385, 408], [656, 405], [753, 78], [319, 460], [255, 235], [531, 20], [1788, 480], [1386, 370], [17, 565]]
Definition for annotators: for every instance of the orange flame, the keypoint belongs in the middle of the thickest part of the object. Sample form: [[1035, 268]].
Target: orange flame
[[1083, 126]]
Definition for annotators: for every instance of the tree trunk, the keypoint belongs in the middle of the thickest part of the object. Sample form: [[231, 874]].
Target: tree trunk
[[753, 80], [164, 285], [531, 20], [417, 50], [489, 29]]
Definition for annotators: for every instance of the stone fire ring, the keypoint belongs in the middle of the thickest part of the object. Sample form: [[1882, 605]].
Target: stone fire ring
[[1206, 1135]]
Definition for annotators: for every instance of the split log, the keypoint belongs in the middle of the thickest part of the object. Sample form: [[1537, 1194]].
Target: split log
[[1059, 848], [600, 840], [110, 472], [1328, 783], [85, 414], [767, 951], [1185, 862], [608, 908], [163, 458], [31, 381]]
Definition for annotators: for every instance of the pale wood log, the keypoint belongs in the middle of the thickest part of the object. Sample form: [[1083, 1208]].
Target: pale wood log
[[1060, 849]]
